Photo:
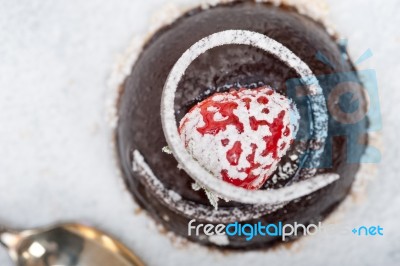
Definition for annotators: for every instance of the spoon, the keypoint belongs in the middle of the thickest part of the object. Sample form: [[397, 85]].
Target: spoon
[[66, 245]]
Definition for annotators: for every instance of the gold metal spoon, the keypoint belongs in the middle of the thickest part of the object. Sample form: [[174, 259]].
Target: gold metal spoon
[[66, 245]]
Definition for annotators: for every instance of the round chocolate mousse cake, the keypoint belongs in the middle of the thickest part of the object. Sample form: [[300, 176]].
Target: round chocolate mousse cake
[[233, 114]]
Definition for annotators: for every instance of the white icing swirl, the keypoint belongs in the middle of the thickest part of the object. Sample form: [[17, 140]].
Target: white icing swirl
[[204, 177]]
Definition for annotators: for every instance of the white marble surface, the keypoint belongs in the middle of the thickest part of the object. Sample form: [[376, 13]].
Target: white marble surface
[[55, 159]]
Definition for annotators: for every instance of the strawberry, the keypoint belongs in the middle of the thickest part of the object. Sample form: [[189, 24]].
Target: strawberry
[[241, 135]]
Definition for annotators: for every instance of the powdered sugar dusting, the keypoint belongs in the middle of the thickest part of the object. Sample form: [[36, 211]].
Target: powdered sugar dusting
[[219, 240], [250, 154]]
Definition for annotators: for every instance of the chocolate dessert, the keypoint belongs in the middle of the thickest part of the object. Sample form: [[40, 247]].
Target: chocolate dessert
[[244, 115]]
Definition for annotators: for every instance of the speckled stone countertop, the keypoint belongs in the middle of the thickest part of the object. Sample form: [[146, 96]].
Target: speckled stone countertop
[[55, 157]]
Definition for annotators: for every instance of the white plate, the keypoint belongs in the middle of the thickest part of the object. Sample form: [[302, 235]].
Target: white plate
[[55, 159]]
